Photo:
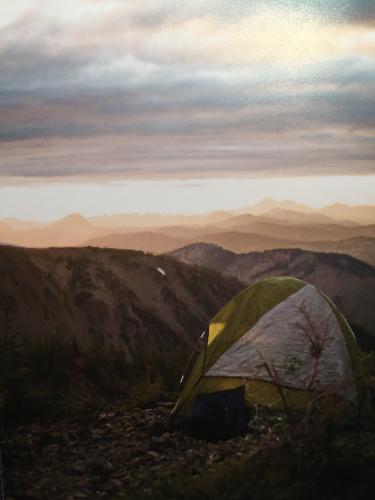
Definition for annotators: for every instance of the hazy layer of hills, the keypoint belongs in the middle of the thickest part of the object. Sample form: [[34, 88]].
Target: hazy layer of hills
[[362, 214], [349, 282], [79, 280], [268, 225]]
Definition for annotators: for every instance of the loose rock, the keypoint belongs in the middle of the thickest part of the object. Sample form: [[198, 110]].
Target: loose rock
[[115, 453]]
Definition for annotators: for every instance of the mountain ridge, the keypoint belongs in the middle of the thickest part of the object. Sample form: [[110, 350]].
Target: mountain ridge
[[120, 298]]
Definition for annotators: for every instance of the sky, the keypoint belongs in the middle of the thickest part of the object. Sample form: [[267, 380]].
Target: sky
[[108, 105]]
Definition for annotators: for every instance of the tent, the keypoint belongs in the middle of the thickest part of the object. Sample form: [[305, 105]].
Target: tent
[[284, 341]]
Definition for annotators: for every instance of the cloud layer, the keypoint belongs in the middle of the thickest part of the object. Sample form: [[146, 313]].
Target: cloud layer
[[149, 88]]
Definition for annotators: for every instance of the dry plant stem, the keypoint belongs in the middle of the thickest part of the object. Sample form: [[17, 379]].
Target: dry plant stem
[[316, 344], [272, 372]]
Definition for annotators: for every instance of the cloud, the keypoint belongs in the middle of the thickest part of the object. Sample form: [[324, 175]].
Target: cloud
[[160, 87], [360, 11]]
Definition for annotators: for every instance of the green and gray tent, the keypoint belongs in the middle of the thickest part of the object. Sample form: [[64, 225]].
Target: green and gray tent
[[284, 341]]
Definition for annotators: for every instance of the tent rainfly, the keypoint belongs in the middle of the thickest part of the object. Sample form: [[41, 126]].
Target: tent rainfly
[[284, 341]]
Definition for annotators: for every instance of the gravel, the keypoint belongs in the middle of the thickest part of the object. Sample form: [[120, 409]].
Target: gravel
[[107, 455]]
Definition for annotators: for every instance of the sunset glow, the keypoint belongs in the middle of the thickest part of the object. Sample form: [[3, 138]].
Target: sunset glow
[[98, 92]]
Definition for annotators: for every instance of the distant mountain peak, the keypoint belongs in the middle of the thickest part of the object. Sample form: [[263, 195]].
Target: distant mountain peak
[[74, 216], [202, 245], [268, 204], [73, 219], [297, 216]]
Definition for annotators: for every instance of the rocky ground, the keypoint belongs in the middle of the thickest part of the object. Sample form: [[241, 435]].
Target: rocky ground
[[109, 455]]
